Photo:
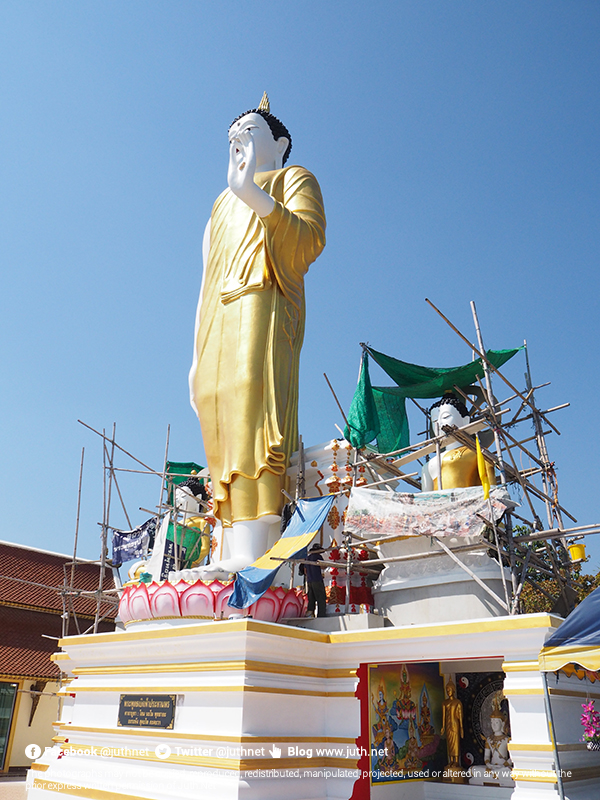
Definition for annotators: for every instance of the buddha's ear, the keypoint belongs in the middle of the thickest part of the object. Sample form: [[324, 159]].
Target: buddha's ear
[[282, 144]]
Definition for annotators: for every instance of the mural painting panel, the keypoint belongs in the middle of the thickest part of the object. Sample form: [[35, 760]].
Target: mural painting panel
[[405, 722]]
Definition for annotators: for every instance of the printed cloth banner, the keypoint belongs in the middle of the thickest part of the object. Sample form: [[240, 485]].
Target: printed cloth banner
[[452, 512], [127, 545], [175, 548], [155, 563], [253, 581]]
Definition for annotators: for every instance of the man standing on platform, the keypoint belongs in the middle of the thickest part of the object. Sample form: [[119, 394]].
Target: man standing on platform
[[314, 579]]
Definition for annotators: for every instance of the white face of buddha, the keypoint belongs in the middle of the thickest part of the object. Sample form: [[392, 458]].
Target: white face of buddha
[[497, 724], [269, 153], [185, 500], [446, 414]]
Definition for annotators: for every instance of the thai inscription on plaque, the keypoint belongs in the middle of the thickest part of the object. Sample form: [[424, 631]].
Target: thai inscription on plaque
[[147, 710]]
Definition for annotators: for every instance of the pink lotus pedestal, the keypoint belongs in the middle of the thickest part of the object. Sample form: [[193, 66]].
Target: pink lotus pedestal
[[202, 600]]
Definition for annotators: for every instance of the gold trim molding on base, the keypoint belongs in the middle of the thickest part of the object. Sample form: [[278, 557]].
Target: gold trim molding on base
[[491, 625], [521, 666], [538, 748], [205, 737], [233, 764], [213, 689], [549, 776], [546, 747], [534, 775], [219, 666]]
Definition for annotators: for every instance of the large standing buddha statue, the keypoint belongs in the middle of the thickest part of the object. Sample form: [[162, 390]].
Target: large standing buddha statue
[[265, 230]]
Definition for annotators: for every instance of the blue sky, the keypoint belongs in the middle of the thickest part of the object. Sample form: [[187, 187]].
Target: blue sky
[[456, 144]]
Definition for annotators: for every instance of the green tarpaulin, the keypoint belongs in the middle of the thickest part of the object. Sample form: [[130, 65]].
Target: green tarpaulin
[[379, 412], [189, 539], [178, 472]]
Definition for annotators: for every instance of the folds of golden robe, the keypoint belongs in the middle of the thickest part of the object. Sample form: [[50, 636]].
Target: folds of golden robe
[[459, 469], [249, 333]]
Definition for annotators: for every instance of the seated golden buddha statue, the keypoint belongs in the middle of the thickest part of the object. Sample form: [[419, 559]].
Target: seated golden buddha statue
[[458, 463]]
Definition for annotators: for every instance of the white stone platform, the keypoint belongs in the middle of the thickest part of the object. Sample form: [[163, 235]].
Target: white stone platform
[[245, 688]]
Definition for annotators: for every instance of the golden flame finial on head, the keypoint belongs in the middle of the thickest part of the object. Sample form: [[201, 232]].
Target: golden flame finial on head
[[264, 104], [497, 706]]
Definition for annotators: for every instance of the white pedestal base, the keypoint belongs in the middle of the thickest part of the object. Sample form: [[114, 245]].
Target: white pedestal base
[[270, 711]]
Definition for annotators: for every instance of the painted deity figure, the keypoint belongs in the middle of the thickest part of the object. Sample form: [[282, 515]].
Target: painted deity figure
[[458, 463], [387, 761], [381, 710], [265, 230], [426, 729], [405, 708], [412, 762], [452, 727]]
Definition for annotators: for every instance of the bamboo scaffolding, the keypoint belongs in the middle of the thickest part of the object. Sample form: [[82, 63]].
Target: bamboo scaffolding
[[424, 448], [523, 519], [463, 548], [103, 538], [559, 533], [489, 395], [472, 574], [157, 474], [118, 446], [515, 550], [404, 477], [391, 467], [112, 469], [355, 567], [513, 472], [59, 589], [490, 365], [519, 589], [77, 518], [164, 472], [547, 411], [530, 556], [335, 397], [68, 600], [106, 520]]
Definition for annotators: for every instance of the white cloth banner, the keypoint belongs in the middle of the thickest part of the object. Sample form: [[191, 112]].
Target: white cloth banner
[[154, 565], [453, 512]]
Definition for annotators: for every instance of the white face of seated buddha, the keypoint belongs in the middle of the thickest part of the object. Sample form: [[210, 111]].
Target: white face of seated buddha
[[185, 500], [497, 724], [269, 152], [447, 414]]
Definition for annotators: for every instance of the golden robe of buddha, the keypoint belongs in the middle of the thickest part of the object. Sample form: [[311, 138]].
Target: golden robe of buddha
[[249, 333], [459, 469]]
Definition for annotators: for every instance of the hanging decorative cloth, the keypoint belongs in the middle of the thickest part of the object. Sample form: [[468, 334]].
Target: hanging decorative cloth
[[378, 412]]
